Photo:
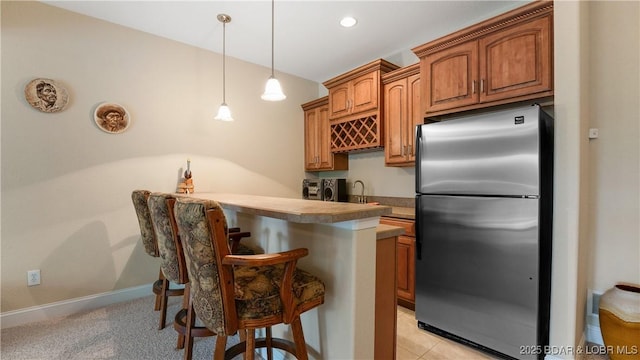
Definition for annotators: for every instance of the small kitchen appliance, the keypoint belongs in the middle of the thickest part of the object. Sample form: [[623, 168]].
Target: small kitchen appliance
[[312, 189], [334, 190]]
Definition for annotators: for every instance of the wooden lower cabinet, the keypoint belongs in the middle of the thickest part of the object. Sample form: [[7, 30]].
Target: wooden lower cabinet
[[386, 312], [406, 256], [405, 261]]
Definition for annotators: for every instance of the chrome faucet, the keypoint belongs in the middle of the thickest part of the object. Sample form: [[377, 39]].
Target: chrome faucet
[[361, 199]]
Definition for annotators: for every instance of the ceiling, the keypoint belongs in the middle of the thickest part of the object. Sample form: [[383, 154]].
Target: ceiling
[[309, 42]]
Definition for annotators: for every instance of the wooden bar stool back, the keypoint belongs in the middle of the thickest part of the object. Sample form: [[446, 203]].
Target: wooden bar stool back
[[242, 293], [174, 268], [161, 286]]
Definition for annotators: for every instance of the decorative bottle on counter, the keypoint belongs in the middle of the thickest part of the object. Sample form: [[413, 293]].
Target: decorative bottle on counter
[[186, 185]]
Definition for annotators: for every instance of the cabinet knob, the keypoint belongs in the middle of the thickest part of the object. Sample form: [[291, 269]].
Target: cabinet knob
[[473, 87]]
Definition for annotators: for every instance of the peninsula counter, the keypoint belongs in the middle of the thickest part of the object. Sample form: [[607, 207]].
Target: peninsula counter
[[348, 250]]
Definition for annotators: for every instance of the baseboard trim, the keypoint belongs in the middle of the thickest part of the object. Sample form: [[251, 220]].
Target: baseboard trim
[[552, 357], [67, 307], [594, 335]]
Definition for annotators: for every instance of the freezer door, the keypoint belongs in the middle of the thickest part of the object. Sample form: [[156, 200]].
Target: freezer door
[[495, 153], [477, 269]]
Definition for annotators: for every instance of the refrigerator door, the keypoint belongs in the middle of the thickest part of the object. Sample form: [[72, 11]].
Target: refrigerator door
[[477, 269], [494, 153]]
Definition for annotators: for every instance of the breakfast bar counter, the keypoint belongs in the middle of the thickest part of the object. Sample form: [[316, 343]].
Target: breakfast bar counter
[[296, 210], [353, 255]]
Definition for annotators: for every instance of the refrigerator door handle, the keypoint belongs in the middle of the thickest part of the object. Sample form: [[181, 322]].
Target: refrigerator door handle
[[418, 142], [417, 230]]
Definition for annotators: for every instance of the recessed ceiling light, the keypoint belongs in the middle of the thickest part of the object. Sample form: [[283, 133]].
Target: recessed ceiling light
[[348, 21]]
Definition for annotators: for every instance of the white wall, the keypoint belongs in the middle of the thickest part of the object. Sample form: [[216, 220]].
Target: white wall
[[614, 208], [66, 185]]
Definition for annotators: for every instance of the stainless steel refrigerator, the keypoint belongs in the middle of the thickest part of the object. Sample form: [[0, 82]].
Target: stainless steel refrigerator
[[483, 220]]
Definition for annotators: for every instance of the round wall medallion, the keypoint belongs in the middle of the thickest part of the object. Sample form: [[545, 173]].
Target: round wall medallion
[[46, 95], [111, 118]]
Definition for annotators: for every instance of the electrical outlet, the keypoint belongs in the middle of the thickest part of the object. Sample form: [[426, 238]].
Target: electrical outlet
[[33, 277]]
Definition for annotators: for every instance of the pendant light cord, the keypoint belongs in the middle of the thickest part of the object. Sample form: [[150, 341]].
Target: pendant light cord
[[224, 56], [272, 36]]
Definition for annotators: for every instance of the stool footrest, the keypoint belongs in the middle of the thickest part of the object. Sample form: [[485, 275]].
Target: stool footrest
[[180, 325], [277, 343]]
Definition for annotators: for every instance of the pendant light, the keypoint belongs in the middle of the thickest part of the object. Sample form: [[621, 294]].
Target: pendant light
[[273, 90], [224, 113]]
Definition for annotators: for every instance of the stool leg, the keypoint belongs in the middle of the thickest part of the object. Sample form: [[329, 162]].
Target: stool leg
[[185, 305], [251, 344], [190, 323], [156, 306], [298, 339], [221, 346], [163, 304], [268, 343]]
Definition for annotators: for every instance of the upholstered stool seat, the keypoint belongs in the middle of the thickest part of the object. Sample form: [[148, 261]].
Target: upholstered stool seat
[[257, 293], [241, 293]]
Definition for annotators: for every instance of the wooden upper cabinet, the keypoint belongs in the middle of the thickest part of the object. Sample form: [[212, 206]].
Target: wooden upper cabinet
[[452, 75], [395, 114], [505, 59], [356, 107], [340, 99], [365, 92], [402, 112], [317, 139], [355, 96], [516, 61]]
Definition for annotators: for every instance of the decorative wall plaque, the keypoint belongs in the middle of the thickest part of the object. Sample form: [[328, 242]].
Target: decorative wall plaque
[[46, 95], [111, 118]]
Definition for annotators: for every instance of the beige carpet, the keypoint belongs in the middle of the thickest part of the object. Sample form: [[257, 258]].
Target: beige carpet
[[126, 331]]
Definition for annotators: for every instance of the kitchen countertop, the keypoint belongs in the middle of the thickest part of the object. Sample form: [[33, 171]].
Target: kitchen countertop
[[401, 207], [402, 213], [384, 231], [296, 210]]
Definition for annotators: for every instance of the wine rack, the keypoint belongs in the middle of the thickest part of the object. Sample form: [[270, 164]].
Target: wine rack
[[356, 134]]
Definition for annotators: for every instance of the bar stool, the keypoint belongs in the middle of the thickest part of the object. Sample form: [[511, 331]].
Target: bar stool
[[241, 293], [161, 287], [174, 268]]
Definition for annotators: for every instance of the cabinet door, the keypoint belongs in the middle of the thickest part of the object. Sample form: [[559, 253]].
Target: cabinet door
[[516, 61], [311, 139], [339, 100], [450, 78], [364, 92], [395, 121], [406, 268], [325, 156], [414, 115]]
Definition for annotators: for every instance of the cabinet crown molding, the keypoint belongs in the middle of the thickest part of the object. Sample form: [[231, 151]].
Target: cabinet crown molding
[[380, 64], [315, 103], [400, 73], [532, 10]]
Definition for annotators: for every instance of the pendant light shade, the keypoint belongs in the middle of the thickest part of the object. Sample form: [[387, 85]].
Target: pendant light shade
[[273, 90], [224, 113]]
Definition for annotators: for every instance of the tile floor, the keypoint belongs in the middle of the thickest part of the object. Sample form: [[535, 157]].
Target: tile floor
[[415, 344]]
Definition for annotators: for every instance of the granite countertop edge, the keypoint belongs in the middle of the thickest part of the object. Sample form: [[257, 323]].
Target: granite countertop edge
[[384, 231]]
